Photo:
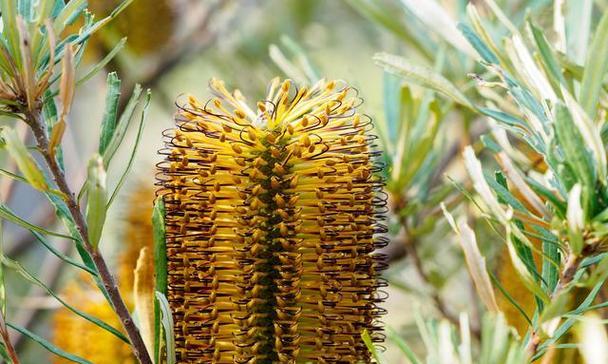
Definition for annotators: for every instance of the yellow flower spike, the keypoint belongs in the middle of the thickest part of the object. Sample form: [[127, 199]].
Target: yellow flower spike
[[272, 257]]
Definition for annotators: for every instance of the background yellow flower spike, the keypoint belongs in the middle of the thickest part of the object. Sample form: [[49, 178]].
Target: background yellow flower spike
[[273, 217]]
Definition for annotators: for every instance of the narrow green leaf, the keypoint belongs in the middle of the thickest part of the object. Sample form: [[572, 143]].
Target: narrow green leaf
[[510, 298], [51, 117], [575, 150], [8, 8], [47, 345], [108, 123], [7, 214], [67, 14], [60, 255], [558, 204], [18, 268], [167, 324], [160, 266], [503, 194], [551, 259], [11, 175], [423, 76], [123, 124], [24, 160], [140, 131], [367, 339], [402, 345], [550, 63], [62, 212], [484, 51], [523, 267], [595, 69], [104, 62], [97, 199], [160, 245]]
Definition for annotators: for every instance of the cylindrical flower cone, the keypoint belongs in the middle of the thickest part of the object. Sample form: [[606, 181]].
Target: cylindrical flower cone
[[273, 217]]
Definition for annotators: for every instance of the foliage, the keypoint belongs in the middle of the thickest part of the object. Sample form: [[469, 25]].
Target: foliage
[[538, 105], [41, 55]]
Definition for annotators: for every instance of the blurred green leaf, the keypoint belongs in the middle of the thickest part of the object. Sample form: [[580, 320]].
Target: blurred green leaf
[[47, 345], [60, 255], [24, 160], [8, 9], [104, 62], [2, 281], [423, 76], [18, 268], [7, 214], [372, 348], [595, 68], [374, 11], [402, 345]]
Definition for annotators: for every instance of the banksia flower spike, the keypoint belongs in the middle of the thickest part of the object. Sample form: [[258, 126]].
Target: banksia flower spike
[[272, 219]]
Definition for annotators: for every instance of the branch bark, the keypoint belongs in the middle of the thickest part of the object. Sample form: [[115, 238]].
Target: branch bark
[[137, 343]]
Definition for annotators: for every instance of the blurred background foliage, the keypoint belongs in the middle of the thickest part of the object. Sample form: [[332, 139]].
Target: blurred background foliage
[[176, 46]]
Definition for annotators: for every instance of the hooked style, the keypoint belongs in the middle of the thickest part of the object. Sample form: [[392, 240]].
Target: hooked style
[[273, 217]]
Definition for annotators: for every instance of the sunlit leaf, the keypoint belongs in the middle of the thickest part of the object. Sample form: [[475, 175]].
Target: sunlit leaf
[[422, 76]]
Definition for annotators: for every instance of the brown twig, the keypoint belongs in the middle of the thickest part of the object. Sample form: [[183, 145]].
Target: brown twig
[[137, 343], [10, 349], [412, 252]]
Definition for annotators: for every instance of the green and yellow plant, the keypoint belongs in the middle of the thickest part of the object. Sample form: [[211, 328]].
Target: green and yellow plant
[[541, 91], [39, 63], [272, 216]]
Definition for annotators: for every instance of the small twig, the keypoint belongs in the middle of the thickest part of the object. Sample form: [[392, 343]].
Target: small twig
[[22, 239], [10, 349], [137, 343], [412, 252]]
